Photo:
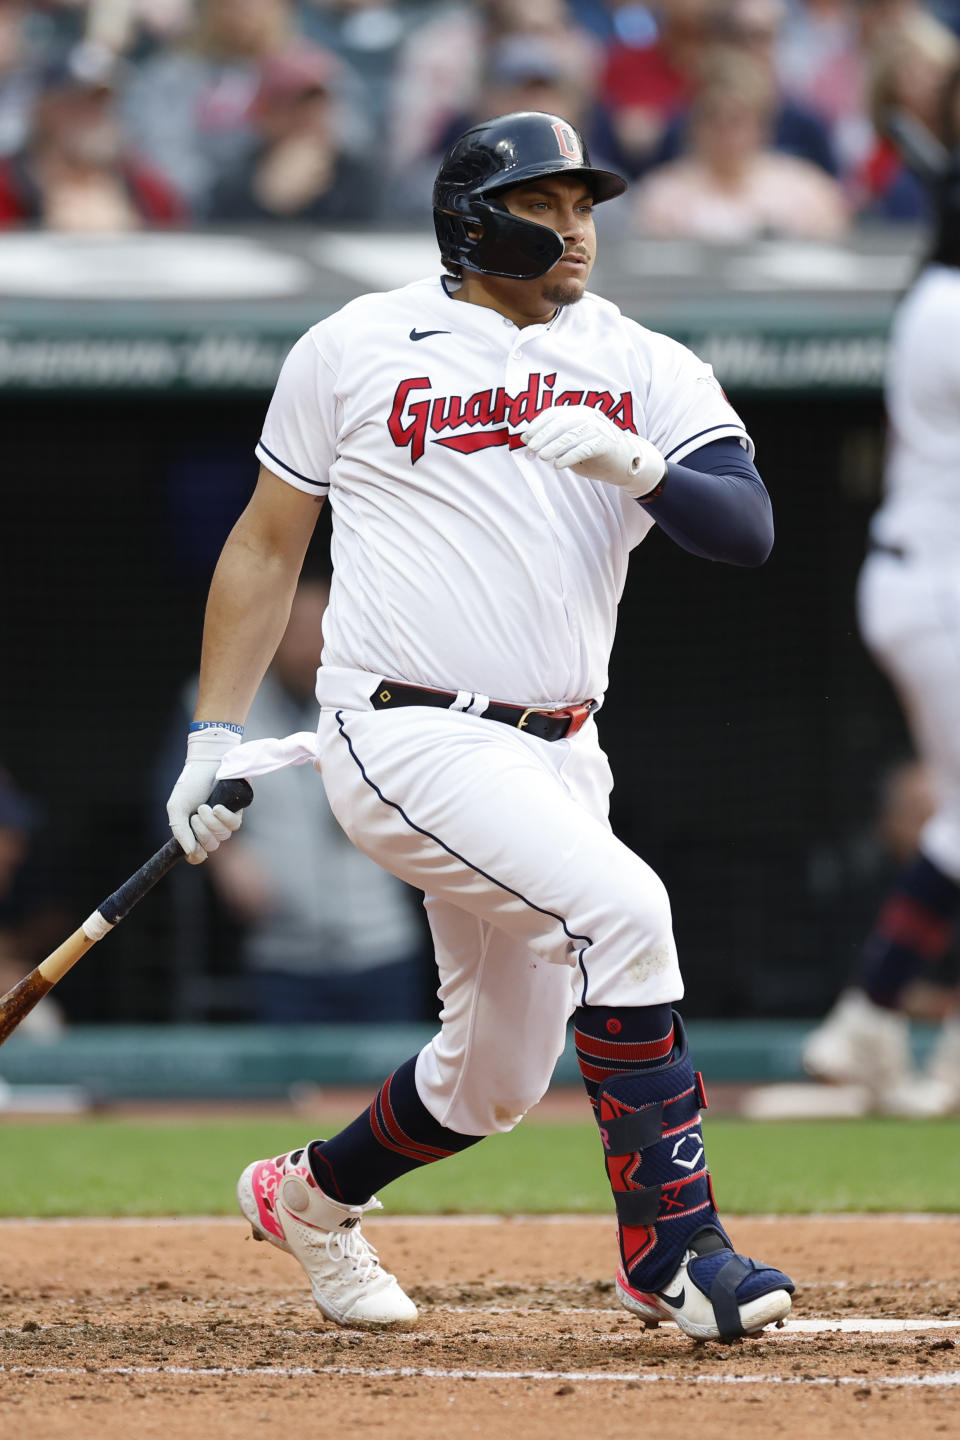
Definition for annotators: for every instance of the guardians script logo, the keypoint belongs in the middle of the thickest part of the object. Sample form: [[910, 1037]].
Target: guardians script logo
[[488, 417]]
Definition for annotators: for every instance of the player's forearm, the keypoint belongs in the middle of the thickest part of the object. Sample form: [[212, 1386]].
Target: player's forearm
[[247, 612], [716, 514], [250, 596]]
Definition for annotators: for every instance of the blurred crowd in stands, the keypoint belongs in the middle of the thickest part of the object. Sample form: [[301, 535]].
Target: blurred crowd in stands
[[734, 118]]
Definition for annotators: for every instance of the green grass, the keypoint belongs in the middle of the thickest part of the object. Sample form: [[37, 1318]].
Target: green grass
[[102, 1166]]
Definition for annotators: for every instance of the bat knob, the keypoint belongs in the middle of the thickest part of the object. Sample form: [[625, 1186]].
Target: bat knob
[[234, 794]]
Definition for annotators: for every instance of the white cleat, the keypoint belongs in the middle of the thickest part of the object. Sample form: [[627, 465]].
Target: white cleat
[[860, 1043], [944, 1062], [936, 1090], [923, 1097], [702, 1315], [286, 1206]]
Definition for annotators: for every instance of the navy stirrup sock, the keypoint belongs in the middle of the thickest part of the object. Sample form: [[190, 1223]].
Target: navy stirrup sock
[[912, 932], [618, 1040], [395, 1135]]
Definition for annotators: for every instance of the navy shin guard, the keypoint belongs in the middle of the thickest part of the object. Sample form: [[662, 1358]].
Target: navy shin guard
[[669, 1229], [650, 1128]]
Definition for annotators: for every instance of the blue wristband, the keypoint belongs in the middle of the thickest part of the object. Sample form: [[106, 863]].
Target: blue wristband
[[196, 725]]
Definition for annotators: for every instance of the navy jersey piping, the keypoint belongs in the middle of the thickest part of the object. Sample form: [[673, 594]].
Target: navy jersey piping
[[290, 468], [727, 425]]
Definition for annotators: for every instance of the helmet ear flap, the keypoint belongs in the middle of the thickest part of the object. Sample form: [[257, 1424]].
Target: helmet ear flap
[[486, 237]]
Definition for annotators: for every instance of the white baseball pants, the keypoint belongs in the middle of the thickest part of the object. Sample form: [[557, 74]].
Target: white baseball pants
[[535, 907], [909, 616]]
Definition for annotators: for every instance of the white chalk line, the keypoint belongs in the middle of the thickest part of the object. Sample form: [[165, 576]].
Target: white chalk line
[[847, 1325], [948, 1379], [164, 1221], [853, 1325]]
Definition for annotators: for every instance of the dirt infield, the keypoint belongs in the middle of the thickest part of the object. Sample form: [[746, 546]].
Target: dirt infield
[[190, 1329]]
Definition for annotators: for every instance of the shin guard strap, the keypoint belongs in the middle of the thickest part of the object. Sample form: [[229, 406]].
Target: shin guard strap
[[625, 1134], [670, 1200], [638, 1207], [639, 1129], [723, 1296]]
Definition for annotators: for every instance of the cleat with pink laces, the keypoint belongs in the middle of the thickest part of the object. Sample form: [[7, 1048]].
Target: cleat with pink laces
[[286, 1206]]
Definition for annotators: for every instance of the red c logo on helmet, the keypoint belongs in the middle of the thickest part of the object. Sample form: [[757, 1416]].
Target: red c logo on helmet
[[567, 141]]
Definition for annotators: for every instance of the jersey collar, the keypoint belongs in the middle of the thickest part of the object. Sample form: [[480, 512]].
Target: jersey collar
[[486, 320]]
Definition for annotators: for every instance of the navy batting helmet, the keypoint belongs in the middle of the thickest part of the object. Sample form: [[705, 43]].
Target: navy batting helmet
[[474, 227]]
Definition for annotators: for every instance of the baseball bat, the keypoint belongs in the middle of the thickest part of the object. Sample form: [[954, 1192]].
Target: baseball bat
[[18, 1002]]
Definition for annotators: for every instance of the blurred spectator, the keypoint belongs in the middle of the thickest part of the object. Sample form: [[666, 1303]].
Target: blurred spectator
[[442, 65], [820, 61], [522, 72], [597, 17], [17, 82], [528, 72], [908, 65], [19, 817], [75, 172], [57, 25], [752, 27], [327, 934], [299, 170], [731, 186], [366, 35], [138, 27], [192, 108], [652, 75]]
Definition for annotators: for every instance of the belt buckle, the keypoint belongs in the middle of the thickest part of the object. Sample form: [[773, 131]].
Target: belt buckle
[[531, 710]]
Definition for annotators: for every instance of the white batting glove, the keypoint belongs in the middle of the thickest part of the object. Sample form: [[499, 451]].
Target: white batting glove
[[201, 828], [581, 438]]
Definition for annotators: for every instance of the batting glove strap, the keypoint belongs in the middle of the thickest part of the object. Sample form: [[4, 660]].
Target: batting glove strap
[[212, 740], [196, 725]]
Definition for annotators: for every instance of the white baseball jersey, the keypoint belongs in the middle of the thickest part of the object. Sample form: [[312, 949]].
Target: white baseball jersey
[[921, 511], [460, 562]]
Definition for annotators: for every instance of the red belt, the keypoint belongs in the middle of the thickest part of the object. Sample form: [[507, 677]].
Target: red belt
[[544, 724]]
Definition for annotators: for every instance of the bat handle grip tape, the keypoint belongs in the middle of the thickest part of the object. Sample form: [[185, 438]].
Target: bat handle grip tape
[[234, 794]]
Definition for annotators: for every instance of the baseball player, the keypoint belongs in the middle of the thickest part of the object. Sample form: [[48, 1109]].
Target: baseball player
[[909, 612], [494, 441]]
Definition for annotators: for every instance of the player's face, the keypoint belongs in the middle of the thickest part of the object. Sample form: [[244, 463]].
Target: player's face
[[564, 204]]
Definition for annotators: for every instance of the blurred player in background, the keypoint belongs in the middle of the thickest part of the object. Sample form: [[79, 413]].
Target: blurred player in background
[[909, 609]]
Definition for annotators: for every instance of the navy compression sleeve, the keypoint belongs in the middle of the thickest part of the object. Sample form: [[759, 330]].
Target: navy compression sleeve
[[715, 505]]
